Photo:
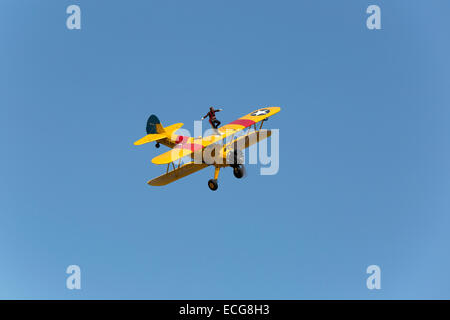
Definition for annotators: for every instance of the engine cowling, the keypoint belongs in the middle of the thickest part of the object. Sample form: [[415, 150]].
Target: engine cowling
[[235, 157]]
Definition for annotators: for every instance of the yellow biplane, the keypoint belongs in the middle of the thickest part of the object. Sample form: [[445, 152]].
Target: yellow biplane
[[221, 149]]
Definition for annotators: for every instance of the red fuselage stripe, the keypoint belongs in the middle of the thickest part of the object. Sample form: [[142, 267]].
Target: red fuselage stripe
[[243, 122], [189, 146]]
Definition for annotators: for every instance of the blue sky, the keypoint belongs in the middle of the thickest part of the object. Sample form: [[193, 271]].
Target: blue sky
[[364, 150]]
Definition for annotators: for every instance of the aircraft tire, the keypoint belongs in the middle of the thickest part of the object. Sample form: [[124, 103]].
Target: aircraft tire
[[212, 184], [238, 171]]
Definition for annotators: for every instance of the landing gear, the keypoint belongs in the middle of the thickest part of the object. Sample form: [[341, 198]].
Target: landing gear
[[239, 171], [212, 184], [157, 145]]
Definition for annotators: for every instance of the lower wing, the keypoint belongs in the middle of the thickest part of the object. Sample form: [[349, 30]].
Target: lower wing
[[176, 174]]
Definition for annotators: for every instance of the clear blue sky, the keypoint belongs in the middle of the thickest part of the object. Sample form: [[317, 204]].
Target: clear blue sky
[[364, 149]]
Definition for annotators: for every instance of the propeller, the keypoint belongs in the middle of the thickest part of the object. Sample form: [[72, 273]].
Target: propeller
[[235, 157]]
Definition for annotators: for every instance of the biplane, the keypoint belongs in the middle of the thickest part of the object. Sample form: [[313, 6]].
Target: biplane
[[223, 148]]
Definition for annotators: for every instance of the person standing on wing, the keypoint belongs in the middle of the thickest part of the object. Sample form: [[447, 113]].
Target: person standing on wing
[[212, 117]]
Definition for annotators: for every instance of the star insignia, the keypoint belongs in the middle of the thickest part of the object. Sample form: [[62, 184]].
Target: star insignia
[[260, 112]]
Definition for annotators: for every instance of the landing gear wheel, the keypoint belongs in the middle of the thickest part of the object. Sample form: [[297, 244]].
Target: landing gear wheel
[[157, 145], [212, 184], [238, 171]]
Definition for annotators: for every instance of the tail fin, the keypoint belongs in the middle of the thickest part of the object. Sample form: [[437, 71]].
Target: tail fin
[[155, 131], [154, 125]]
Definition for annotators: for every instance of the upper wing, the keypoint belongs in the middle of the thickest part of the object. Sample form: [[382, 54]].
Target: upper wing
[[248, 140], [176, 174], [250, 119], [192, 145]]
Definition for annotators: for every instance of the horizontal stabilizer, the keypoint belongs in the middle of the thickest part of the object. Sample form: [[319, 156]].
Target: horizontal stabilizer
[[170, 130], [149, 138], [157, 132]]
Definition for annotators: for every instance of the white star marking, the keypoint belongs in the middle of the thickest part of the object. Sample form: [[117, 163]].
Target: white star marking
[[260, 112]]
